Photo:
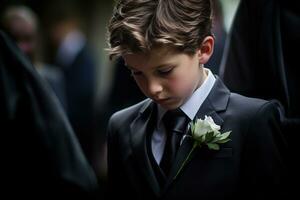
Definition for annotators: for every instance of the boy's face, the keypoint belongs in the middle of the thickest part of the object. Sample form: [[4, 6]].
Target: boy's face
[[167, 77]]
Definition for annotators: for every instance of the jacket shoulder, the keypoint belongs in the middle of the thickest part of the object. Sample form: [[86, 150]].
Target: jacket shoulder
[[127, 115], [252, 109], [252, 105]]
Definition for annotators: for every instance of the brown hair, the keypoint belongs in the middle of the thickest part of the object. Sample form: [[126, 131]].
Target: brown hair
[[138, 25]]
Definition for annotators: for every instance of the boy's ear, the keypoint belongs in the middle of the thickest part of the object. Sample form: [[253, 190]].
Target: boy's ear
[[206, 49]]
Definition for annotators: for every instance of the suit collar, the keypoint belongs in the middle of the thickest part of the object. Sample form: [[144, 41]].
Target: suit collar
[[215, 102], [219, 96], [147, 105]]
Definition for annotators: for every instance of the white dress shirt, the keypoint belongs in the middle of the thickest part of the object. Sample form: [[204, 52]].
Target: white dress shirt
[[190, 108]]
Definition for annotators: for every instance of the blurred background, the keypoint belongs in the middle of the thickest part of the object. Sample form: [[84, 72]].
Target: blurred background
[[66, 41]]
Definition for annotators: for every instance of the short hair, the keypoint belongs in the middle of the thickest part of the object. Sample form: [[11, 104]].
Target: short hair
[[19, 12], [139, 25]]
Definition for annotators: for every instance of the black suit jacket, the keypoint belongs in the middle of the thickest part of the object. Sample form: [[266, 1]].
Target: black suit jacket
[[250, 165]]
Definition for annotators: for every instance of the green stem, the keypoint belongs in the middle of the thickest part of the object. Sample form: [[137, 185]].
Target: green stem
[[186, 160]]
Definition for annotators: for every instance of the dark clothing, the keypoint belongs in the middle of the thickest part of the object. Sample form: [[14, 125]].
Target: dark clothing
[[80, 85], [249, 166], [41, 155], [259, 58], [55, 78]]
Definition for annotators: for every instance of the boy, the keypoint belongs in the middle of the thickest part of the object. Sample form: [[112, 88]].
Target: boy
[[165, 44]]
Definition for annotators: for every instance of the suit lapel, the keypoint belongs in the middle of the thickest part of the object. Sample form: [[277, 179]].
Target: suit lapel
[[216, 102], [139, 130]]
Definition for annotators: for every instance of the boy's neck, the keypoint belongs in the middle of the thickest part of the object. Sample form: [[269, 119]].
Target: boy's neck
[[203, 76]]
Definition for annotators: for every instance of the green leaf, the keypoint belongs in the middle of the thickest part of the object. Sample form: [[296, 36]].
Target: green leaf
[[225, 135], [216, 138], [213, 146], [216, 133], [223, 141]]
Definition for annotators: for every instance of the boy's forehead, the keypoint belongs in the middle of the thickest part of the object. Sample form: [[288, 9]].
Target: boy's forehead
[[135, 60], [153, 57]]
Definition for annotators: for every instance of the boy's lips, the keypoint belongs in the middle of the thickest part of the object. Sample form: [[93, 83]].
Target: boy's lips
[[162, 101]]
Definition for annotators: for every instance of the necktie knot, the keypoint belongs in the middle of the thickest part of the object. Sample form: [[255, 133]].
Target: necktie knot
[[175, 121]]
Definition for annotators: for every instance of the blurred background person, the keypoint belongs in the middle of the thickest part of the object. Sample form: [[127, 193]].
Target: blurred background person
[[21, 23], [90, 23], [259, 48], [70, 51], [260, 60], [40, 157], [72, 65]]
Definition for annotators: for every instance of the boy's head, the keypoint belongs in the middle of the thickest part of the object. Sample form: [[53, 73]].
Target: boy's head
[[140, 25], [164, 43]]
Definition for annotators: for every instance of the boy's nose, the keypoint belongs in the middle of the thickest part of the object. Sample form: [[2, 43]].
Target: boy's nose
[[154, 87]]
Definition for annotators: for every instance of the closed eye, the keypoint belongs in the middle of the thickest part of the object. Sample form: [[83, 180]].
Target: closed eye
[[165, 71]]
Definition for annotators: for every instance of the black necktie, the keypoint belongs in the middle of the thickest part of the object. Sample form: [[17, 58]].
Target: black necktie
[[175, 122]]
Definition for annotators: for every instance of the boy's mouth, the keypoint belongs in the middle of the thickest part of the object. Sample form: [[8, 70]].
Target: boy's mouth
[[162, 101]]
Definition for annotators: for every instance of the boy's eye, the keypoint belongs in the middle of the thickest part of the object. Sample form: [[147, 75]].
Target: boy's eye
[[165, 71]]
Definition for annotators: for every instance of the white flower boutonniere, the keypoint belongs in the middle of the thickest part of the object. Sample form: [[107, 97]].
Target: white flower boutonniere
[[206, 132]]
